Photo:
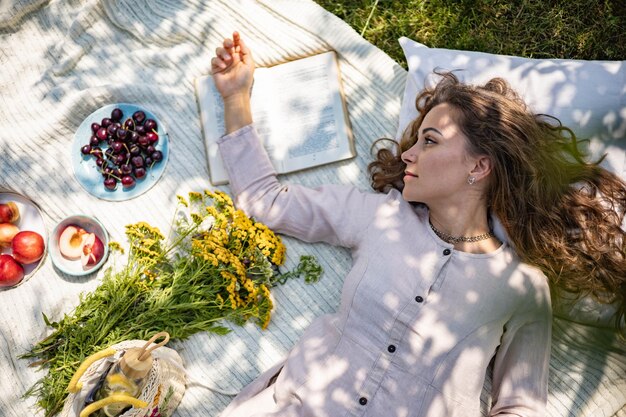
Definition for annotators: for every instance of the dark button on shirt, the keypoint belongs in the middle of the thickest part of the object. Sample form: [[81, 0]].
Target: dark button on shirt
[[362, 400], [391, 348], [446, 252], [419, 299]]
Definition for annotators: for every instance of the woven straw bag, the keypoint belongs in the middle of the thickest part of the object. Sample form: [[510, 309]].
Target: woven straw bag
[[163, 390]]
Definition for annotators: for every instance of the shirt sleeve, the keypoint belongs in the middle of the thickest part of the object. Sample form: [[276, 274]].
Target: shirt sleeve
[[335, 214], [520, 373]]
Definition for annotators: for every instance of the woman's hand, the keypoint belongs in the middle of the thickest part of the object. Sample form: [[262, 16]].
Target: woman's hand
[[233, 67]]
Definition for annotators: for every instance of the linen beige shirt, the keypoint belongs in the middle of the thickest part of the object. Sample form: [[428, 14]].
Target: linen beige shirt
[[418, 322]]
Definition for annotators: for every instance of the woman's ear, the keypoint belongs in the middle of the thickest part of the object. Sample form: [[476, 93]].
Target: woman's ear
[[482, 167]]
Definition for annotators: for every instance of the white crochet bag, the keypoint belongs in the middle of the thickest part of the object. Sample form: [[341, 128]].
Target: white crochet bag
[[163, 390]]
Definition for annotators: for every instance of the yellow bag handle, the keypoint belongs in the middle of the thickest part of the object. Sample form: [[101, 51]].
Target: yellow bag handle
[[75, 386], [113, 398]]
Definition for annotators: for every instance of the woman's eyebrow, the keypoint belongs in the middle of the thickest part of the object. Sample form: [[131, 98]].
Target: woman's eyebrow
[[431, 129]]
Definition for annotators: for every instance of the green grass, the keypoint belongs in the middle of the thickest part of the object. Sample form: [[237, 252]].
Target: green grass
[[573, 29]]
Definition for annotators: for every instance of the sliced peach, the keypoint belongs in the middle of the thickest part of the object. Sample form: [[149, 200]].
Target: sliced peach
[[92, 250], [9, 212], [71, 242], [7, 233]]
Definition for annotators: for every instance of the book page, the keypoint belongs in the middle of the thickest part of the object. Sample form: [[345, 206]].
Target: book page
[[298, 111], [308, 118], [212, 120]]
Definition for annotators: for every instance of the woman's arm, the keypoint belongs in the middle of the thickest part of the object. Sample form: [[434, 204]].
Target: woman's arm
[[335, 214], [520, 372], [232, 69]]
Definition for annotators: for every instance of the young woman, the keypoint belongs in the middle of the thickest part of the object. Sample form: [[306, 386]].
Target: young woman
[[434, 296]]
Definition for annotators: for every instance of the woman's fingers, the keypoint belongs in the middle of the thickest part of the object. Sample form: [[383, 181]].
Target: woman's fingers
[[228, 47], [241, 48], [221, 60], [231, 52], [236, 42], [217, 65], [222, 53]]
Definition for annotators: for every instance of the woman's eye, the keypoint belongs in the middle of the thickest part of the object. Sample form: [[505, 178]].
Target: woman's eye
[[428, 141]]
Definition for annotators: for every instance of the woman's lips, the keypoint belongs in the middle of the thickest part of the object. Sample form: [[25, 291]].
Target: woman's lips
[[409, 174]]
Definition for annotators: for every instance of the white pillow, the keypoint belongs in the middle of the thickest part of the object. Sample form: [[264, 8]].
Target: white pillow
[[587, 96]]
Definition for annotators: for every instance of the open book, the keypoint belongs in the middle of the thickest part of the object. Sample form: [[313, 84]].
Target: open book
[[298, 110]]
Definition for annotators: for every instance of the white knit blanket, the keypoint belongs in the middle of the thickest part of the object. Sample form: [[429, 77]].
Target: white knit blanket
[[62, 59]]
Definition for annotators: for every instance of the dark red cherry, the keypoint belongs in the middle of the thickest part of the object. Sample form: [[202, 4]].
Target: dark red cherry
[[110, 183], [139, 117], [106, 122], [102, 133], [112, 129], [137, 161], [117, 147], [128, 181], [135, 150], [117, 114], [143, 141], [157, 156], [133, 137], [140, 173], [150, 125], [152, 137], [122, 133], [126, 169]]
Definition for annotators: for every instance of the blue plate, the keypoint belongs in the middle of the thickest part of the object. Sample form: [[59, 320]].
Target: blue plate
[[87, 172]]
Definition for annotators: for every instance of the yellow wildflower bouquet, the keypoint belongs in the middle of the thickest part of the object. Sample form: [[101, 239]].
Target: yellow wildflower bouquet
[[217, 265]]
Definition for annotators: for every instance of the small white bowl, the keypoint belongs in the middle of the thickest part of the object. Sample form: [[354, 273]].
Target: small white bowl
[[75, 267]]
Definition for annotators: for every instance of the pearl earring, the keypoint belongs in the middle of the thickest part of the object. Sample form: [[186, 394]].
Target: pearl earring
[[471, 180]]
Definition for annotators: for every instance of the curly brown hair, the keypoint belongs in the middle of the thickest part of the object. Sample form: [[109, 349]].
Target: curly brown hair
[[561, 212]]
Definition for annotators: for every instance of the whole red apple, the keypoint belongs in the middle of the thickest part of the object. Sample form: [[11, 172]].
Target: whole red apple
[[28, 247], [11, 272]]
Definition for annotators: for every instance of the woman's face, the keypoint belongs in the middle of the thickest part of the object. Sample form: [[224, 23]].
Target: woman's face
[[438, 164]]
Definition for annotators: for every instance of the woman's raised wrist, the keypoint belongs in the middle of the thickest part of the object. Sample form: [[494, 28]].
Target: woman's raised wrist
[[236, 99], [237, 113]]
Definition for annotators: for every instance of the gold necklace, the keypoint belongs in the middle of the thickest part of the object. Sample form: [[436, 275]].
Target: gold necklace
[[458, 239]]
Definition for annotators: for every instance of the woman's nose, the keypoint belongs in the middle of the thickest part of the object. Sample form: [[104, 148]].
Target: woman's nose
[[408, 156]]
